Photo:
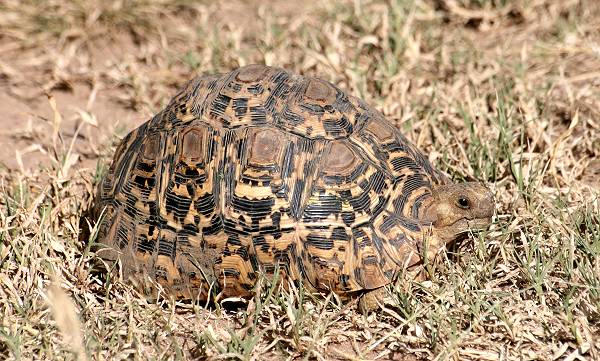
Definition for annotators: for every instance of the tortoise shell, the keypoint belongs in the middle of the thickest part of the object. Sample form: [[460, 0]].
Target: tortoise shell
[[260, 170]]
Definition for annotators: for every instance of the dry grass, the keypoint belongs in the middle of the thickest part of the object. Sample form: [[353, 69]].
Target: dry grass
[[503, 91]]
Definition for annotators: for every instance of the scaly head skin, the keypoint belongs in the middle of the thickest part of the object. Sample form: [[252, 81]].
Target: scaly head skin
[[455, 209]]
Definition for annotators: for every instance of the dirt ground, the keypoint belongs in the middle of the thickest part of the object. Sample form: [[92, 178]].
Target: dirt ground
[[85, 77], [499, 91]]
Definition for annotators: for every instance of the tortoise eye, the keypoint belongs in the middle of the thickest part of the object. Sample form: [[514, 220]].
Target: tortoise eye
[[463, 202]]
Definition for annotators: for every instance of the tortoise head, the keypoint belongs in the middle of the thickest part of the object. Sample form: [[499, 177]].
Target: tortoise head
[[457, 208]]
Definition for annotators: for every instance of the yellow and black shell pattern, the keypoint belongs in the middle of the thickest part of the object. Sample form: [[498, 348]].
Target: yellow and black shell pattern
[[260, 170]]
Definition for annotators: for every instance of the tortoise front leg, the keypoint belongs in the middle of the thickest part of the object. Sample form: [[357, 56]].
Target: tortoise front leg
[[372, 300]]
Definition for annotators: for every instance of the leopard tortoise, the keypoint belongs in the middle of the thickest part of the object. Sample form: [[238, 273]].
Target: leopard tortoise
[[260, 170]]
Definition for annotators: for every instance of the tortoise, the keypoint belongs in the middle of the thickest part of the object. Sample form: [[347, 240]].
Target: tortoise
[[259, 171]]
